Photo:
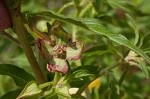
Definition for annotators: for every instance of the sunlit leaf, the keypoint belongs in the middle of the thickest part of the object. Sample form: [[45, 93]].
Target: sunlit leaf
[[31, 91], [96, 27], [92, 69], [83, 74], [63, 91]]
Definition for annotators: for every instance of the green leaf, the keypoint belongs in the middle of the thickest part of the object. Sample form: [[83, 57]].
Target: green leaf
[[31, 91], [121, 4], [146, 42], [19, 75], [60, 91], [48, 27], [78, 82], [63, 91], [101, 49], [97, 28], [144, 68], [13, 94], [94, 26], [61, 17], [83, 74], [133, 25], [51, 96], [114, 92], [95, 93], [90, 68], [96, 5], [131, 21], [114, 88]]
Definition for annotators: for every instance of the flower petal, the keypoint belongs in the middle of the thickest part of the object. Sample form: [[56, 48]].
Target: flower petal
[[58, 65], [74, 50]]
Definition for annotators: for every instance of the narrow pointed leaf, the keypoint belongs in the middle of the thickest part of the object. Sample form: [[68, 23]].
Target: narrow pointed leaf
[[127, 7], [144, 68], [94, 26], [19, 75], [132, 23], [83, 74]]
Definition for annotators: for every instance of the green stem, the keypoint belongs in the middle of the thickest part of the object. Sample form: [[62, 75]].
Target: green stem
[[74, 33], [74, 30], [77, 7], [21, 32], [123, 75], [56, 78], [11, 38], [87, 92], [107, 69], [68, 75], [61, 10], [65, 6], [45, 84], [84, 11]]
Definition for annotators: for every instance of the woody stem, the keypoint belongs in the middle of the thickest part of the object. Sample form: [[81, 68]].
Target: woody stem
[[17, 21]]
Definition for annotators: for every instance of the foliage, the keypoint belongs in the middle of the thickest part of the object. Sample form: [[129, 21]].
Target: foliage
[[97, 48]]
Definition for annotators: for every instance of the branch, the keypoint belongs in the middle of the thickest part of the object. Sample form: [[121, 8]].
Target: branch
[[20, 30], [11, 38]]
